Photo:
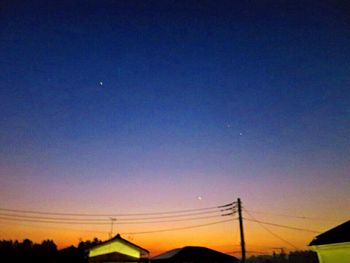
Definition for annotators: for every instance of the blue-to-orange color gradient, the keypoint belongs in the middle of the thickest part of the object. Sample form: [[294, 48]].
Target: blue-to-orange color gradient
[[144, 106]]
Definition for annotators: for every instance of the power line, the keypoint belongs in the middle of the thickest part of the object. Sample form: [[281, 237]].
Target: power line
[[176, 220], [277, 236], [121, 220], [51, 227], [116, 215], [175, 229], [52, 218], [15, 215], [54, 222], [227, 205], [285, 215], [180, 215], [105, 221], [283, 226], [272, 233]]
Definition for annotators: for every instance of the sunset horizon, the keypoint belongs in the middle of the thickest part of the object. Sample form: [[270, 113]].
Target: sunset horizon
[[116, 108], [216, 231]]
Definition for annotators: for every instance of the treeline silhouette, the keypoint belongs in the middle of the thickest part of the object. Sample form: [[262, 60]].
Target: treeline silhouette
[[293, 257], [46, 252]]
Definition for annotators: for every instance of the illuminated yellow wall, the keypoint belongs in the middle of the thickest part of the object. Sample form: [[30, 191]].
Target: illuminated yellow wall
[[115, 246], [333, 253]]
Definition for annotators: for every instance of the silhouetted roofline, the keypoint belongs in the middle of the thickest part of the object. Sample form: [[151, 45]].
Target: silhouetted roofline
[[167, 254], [338, 234], [180, 252], [118, 237]]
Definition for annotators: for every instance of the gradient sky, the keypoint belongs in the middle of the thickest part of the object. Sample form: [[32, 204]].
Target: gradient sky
[[218, 99]]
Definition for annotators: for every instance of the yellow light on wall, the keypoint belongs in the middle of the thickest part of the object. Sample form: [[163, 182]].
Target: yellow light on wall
[[333, 253], [115, 246]]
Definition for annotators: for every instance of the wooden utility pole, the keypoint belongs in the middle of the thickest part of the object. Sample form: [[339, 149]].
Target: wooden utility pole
[[241, 229]]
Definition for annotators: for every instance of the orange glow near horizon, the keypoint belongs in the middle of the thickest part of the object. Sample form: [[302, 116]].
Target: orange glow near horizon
[[266, 201], [222, 237]]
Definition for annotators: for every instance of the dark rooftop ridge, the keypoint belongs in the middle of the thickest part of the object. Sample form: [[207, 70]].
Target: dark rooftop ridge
[[338, 234], [195, 254]]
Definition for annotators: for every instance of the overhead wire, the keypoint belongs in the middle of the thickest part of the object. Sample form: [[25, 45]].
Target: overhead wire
[[147, 218], [54, 222], [108, 222], [15, 215], [108, 219], [52, 218], [271, 232], [175, 229], [69, 218], [286, 215], [53, 227], [174, 220], [283, 226], [116, 215]]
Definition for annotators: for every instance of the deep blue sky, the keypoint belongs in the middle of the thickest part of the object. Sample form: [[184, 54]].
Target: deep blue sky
[[194, 92]]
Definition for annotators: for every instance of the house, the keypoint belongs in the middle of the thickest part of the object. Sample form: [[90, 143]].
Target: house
[[194, 255], [117, 249], [333, 246]]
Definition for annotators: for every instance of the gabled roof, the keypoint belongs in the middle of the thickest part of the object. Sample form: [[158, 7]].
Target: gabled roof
[[168, 254], [338, 234], [119, 238], [194, 254]]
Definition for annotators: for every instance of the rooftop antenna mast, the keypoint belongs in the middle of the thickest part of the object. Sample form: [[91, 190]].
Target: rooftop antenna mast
[[112, 224]]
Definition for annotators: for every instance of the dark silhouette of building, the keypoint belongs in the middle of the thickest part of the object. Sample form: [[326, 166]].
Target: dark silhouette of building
[[333, 245], [70, 254], [194, 255]]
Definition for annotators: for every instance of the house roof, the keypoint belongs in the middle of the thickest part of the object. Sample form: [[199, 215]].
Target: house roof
[[193, 254], [118, 237], [338, 234], [168, 254]]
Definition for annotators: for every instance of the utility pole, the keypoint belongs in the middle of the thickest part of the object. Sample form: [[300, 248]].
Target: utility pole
[[241, 229]]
